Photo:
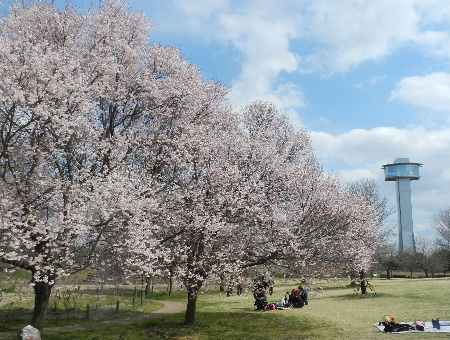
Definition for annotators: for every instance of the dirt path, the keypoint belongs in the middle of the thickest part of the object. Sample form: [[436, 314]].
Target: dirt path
[[170, 307]]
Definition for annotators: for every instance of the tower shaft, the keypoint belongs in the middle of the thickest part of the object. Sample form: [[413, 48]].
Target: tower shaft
[[405, 220]]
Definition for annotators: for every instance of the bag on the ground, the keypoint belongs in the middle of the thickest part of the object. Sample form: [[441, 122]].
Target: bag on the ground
[[29, 333]]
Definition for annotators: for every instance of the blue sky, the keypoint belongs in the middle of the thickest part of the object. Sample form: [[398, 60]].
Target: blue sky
[[368, 79]]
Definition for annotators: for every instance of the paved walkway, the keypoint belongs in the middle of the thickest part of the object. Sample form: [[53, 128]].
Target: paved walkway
[[170, 307]]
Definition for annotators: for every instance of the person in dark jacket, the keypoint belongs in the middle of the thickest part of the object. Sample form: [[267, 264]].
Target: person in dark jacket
[[303, 294]]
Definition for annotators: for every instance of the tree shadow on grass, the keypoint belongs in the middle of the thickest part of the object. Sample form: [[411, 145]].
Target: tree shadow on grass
[[239, 325], [225, 325], [355, 296], [12, 320]]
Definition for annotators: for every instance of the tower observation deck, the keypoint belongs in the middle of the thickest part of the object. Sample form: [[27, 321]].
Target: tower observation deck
[[403, 172]]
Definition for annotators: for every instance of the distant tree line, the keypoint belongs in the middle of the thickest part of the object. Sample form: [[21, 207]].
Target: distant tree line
[[430, 258]]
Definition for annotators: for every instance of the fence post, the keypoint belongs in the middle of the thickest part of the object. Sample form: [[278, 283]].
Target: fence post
[[117, 306], [88, 312]]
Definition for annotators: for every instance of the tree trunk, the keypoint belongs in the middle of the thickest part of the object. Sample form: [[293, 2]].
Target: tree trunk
[[170, 285], [42, 291], [192, 304], [148, 285], [222, 283], [362, 282]]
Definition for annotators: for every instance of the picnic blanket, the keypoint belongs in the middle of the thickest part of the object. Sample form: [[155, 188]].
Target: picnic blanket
[[444, 327]]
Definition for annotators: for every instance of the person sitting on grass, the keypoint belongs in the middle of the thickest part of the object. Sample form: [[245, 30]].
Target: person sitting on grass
[[295, 300]]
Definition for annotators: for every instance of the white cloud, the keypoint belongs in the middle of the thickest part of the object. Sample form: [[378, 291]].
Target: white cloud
[[353, 32], [194, 19], [350, 32], [434, 43], [430, 91], [361, 153], [197, 13], [262, 34], [273, 36], [433, 11], [382, 143], [350, 175]]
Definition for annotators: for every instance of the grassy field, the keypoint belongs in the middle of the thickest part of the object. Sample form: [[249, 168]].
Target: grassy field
[[334, 313]]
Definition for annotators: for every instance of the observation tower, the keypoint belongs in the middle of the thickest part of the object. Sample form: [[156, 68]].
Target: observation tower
[[403, 172]]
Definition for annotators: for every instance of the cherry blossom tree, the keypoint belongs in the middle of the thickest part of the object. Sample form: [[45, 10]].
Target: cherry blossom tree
[[82, 96], [367, 190], [305, 221], [44, 138], [197, 182]]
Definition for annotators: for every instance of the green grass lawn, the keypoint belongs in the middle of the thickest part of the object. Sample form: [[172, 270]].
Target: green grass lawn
[[335, 313]]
